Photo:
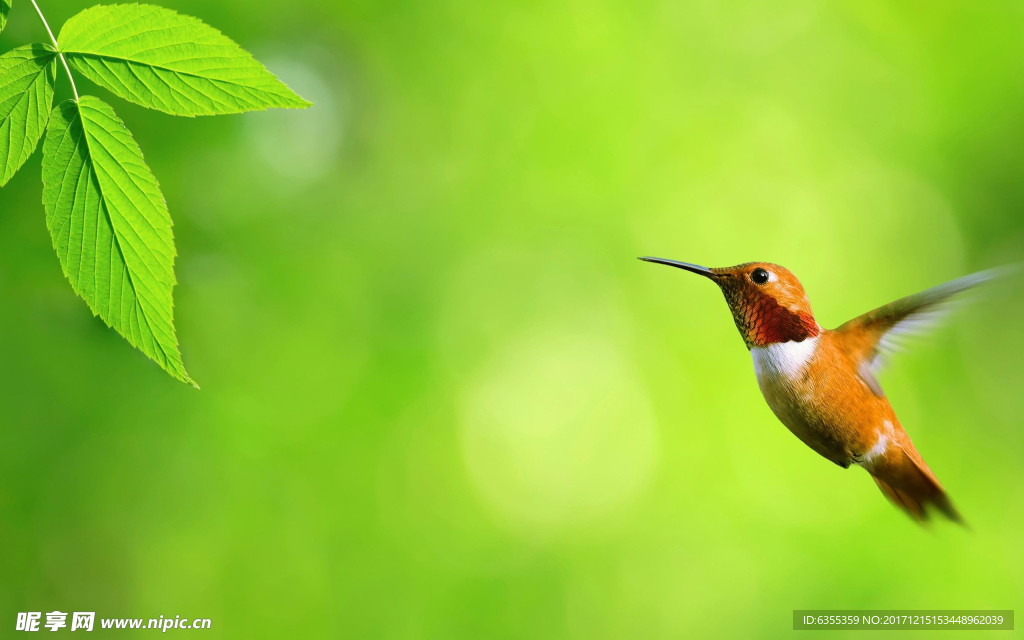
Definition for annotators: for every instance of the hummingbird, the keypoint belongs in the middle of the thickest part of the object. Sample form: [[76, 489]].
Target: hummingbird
[[821, 383]]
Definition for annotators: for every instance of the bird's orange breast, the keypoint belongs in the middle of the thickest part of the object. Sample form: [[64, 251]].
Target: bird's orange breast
[[814, 388]]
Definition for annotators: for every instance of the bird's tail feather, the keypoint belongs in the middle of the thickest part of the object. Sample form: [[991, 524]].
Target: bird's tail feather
[[910, 485]]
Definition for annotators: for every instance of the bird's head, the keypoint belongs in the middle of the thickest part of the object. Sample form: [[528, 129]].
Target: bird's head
[[767, 302]]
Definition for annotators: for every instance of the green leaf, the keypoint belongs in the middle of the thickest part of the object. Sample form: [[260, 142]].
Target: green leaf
[[110, 226], [174, 63], [5, 8], [26, 94]]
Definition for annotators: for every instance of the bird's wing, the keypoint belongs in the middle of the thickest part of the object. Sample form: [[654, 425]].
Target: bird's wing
[[877, 335]]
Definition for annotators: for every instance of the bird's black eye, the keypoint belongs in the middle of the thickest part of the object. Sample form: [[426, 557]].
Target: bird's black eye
[[759, 276]]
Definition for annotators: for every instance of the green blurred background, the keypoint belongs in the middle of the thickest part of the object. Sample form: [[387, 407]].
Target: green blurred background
[[441, 398]]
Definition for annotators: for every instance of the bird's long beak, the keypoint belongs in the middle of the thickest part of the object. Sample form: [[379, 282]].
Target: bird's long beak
[[686, 266]]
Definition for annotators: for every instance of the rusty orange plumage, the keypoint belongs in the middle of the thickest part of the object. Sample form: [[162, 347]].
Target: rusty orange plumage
[[821, 383]]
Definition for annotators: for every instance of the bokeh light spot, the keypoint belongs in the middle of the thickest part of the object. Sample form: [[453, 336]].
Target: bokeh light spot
[[557, 433]]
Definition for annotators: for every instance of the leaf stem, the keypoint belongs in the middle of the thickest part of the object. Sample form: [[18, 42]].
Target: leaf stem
[[74, 89]]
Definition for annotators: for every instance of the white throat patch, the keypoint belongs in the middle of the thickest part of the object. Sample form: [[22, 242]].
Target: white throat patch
[[783, 359]]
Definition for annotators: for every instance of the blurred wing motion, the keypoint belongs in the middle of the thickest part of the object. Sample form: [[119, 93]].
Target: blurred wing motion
[[876, 335]]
